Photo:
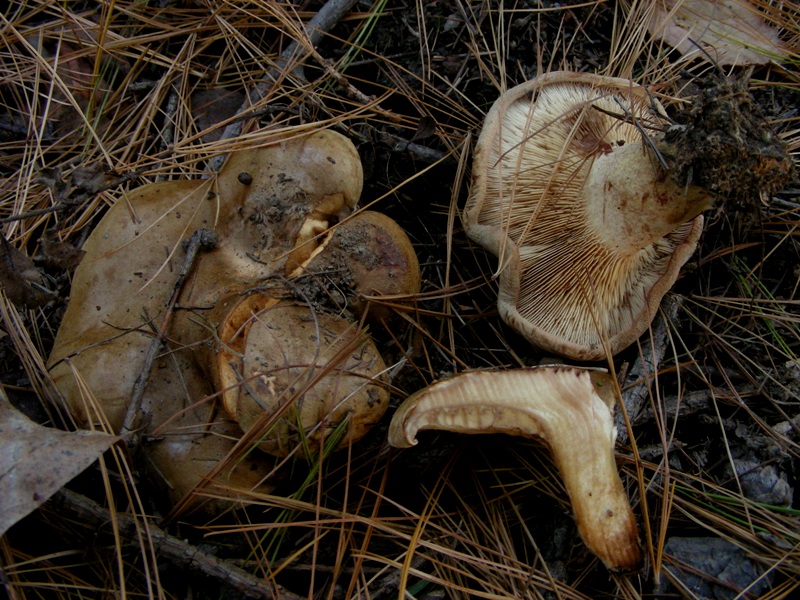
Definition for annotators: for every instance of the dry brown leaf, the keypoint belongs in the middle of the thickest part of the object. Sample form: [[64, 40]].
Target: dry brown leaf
[[19, 277], [211, 107], [37, 461], [57, 254], [732, 32]]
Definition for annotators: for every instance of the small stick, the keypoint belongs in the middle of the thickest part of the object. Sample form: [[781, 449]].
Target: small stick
[[322, 22], [35, 213], [72, 202], [177, 551], [202, 239]]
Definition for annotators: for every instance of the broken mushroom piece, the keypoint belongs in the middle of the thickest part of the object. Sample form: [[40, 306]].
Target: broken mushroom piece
[[570, 410], [302, 375], [367, 264], [589, 230]]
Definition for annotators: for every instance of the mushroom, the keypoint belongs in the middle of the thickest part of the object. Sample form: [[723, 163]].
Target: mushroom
[[367, 264], [310, 372], [570, 410], [263, 206], [191, 438], [589, 229]]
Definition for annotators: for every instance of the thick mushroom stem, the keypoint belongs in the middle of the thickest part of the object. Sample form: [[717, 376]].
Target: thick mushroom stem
[[634, 203], [569, 409]]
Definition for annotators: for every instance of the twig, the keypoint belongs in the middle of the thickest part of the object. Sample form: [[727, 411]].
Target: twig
[[75, 201], [322, 22], [178, 552], [35, 213], [651, 355], [168, 133], [422, 153], [683, 405], [202, 239]]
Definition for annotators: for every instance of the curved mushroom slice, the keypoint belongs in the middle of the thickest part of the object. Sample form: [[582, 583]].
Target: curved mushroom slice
[[570, 410], [589, 230]]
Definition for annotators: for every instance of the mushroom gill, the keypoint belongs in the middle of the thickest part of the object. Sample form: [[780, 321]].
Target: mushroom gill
[[589, 230], [567, 408]]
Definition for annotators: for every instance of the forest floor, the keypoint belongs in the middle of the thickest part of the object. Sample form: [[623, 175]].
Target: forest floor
[[100, 99]]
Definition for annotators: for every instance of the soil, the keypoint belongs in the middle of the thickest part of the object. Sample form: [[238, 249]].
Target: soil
[[716, 459], [724, 144]]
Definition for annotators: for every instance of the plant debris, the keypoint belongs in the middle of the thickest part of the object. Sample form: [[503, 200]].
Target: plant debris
[[20, 279], [38, 461], [723, 144], [730, 32]]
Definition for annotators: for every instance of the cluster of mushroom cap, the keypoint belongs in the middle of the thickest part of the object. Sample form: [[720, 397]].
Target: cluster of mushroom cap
[[590, 231], [290, 372]]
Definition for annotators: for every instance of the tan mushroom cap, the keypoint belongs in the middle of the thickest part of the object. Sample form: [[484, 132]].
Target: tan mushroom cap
[[570, 410], [589, 231], [370, 255], [298, 372], [191, 438]]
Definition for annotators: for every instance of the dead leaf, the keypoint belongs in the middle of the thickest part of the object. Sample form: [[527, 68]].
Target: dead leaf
[[57, 254], [53, 179], [93, 178], [425, 128], [37, 461], [732, 32], [19, 277]]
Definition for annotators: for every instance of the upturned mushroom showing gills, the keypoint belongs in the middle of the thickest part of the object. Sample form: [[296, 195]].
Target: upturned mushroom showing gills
[[589, 230], [263, 208], [570, 410]]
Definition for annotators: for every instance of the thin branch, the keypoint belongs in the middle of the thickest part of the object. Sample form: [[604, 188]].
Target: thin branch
[[322, 22], [201, 239], [178, 552]]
